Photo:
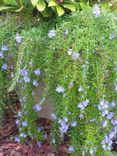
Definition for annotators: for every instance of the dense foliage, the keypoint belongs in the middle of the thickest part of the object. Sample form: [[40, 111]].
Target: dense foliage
[[48, 8], [73, 61]]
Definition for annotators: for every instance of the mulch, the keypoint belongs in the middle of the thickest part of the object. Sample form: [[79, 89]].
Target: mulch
[[9, 129]]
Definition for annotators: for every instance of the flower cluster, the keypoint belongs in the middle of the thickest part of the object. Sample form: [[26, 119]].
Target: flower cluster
[[60, 89], [4, 49], [51, 33], [96, 10], [74, 55], [83, 104]]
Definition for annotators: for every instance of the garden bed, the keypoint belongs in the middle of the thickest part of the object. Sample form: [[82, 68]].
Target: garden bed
[[58, 82]]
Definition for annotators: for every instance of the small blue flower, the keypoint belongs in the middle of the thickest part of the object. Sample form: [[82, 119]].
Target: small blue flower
[[24, 72], [91, 151], [54, 116], [26, 79], [53, 141], [96, 10], [71, 149], [18, 38], [37, 107], [115, 87], [80, 89], [64, 127], [4, 48], [1, 54], [24, 123], [75, 56], [19, 113], [104, 123], [39, 144], [110, 115], [74, 124], [112, 36], [52, 33], [37, 72], [23, 135], [17, 139], [4, 66], [69, 52], [60, 89], [35, 83], [17, 122]]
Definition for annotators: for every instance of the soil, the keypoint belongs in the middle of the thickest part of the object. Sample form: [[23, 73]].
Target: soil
[[9, 129]]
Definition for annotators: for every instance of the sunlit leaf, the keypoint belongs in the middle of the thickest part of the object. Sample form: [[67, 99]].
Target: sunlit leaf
[[60, 10], [70, 7], [41, 5], [52, 3], [34, 2]]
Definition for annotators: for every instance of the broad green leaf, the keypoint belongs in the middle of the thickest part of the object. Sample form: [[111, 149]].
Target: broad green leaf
[[70, 7], [34, 2], [5, 8], [60, 10], [41, 5], [10, 2], [52, 3]]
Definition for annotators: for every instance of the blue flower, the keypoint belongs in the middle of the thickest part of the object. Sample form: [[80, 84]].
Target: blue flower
[[24, 123], [110, 115], [96, 10], [104, 123], [24, 72], [19, 113], [64, 127], [112, 36], [18, 38], [26, 79], [80, 89], [1, 54], [60, 89], [17, 122], [17, 139], [4, 66], [54, 116], [75, 56], [51, 33], [37, 107], [115, 87], [71, 149], [74, 124], [23, 135], [4, 48], [35, 83], [37, 72], [69, 52]]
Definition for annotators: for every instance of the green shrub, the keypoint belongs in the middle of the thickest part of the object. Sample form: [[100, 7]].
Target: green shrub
[[82, 79], [10, 25], [77, 62], [6, 26], [48, 8]]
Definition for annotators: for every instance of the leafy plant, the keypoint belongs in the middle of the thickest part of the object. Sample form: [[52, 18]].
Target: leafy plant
[[82, 79], [15, 5], [76, 61]]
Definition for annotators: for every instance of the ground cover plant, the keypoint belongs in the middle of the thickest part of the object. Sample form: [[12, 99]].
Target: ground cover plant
[[75, 58]]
